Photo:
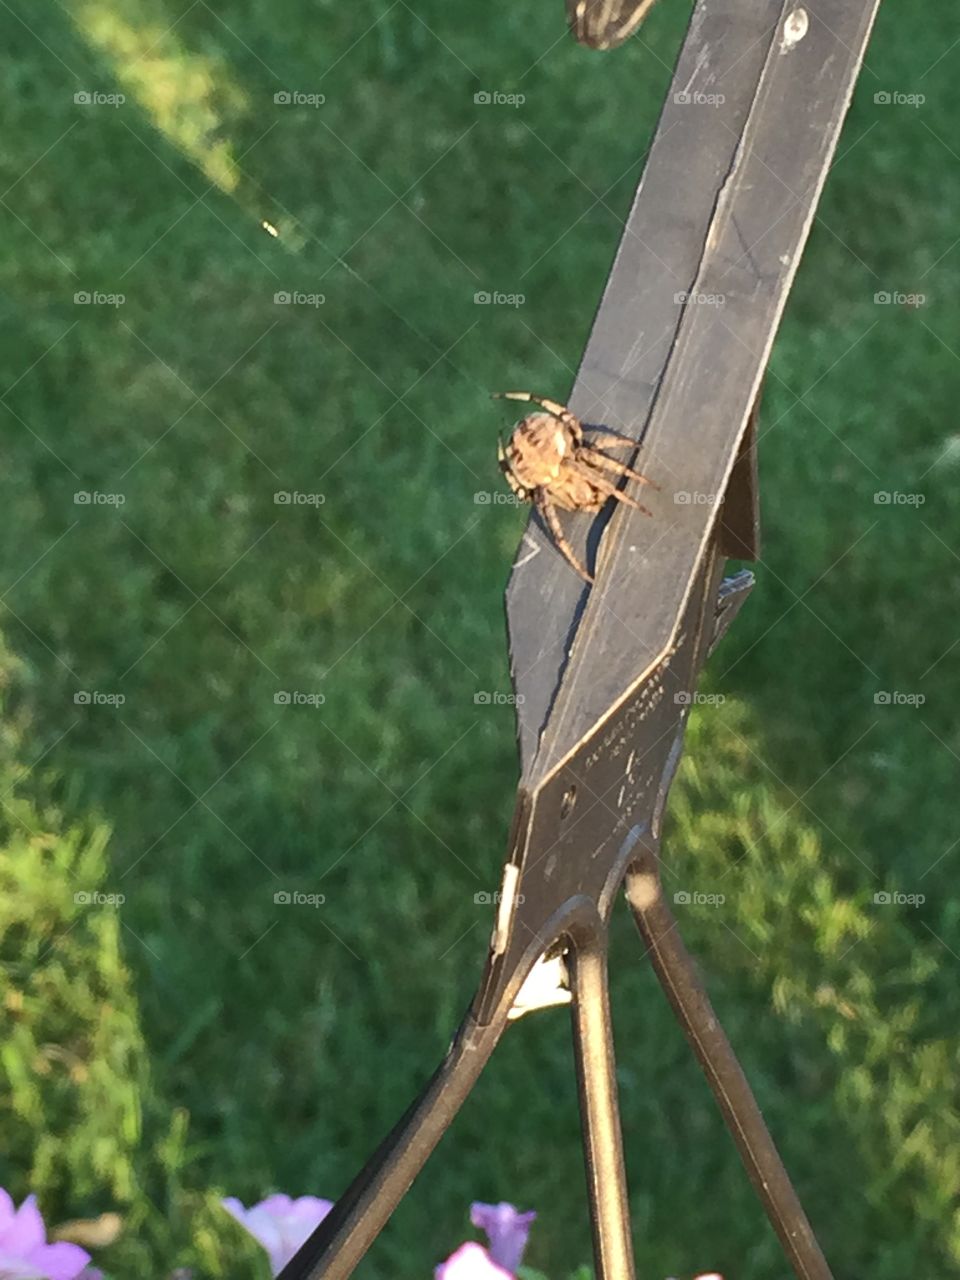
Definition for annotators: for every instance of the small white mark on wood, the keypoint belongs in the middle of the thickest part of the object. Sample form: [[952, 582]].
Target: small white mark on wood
[[532, 551], [634, 354], [703, 61], [785, 259], [795, 27], [501, 932]]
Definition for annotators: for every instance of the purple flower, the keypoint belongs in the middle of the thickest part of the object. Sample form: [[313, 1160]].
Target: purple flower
[[506, 1229], [280, 1224], [471, 1262], [24, 1252]]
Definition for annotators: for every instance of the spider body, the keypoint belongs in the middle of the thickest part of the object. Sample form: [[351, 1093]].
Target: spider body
[[550, 462]]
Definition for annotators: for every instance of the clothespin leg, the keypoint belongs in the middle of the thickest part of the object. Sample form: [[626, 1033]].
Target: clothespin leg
[[603, 1147], [355, 1221], [678, 976]]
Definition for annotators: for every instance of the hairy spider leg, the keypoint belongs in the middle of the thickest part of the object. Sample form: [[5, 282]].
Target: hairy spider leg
[[604, 440], [607, 487], [552, 406], [506, 466], [549, 513], [597, 459]]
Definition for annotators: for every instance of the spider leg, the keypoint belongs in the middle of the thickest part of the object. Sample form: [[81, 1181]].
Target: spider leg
[[607, 487], [597, 459], [601, 439], [552, 406], [506, 466], [549, 513]]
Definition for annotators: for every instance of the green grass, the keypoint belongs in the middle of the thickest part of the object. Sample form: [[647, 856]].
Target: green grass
[[203, 1040]]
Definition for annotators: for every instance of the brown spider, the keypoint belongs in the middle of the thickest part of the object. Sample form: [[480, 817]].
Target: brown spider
[[548, 461]]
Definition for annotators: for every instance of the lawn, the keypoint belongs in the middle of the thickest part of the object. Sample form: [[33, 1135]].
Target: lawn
[[200, 1039]]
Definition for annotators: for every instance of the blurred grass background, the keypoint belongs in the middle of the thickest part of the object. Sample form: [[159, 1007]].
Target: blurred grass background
[[202, 1039]]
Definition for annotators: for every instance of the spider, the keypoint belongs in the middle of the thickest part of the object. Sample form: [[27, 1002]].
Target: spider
[[549, 462]]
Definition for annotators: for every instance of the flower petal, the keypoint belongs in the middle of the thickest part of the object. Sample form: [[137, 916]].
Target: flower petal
[[470, 1262], [279, 1224], [6, 1209], [61, 1261], [24, 1231], [507, 1230]]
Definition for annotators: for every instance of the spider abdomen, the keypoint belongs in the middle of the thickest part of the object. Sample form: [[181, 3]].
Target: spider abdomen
[[538, 451]]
